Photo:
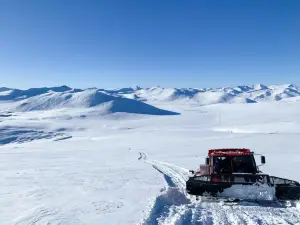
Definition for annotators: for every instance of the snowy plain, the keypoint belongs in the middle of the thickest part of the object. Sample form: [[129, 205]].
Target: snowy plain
[[78, 166]]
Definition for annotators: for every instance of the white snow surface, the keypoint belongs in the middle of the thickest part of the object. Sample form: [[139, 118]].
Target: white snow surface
[[74, 165]]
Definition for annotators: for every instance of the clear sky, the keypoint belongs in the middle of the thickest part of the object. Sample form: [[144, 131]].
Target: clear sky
[[172, 43]]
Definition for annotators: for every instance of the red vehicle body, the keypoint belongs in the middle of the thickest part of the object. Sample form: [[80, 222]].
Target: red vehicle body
[[242, 154]]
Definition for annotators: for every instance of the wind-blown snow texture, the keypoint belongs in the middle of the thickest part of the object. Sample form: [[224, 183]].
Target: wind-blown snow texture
[[68, 157]]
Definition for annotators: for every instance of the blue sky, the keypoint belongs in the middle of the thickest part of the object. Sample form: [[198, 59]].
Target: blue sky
[[172, 43]]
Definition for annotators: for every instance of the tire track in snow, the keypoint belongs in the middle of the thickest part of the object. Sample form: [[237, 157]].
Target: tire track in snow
[[164, 208], [142, 156], [175, 207], [174, 177]]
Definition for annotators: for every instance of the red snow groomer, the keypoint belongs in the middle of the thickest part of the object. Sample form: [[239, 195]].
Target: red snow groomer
[[227, 167]]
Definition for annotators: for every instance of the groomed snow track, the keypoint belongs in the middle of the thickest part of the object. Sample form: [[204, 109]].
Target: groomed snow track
[[173, 206]]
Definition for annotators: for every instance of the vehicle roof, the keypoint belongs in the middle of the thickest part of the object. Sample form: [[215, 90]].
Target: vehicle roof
[[229, 152]]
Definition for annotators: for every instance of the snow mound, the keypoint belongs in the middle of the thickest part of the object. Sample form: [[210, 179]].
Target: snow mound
[[250, 192], [85, 99]]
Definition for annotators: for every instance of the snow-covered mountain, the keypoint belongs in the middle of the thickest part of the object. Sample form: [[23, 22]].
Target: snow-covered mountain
[[206, 96], [56, 98], [17, 94], [139, 100]]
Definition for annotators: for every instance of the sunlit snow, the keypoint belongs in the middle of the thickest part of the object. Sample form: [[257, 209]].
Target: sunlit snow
[[73, 163]]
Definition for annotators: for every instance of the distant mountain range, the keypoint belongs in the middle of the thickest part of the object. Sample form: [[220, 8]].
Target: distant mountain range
[[138, 100], [206, 96]]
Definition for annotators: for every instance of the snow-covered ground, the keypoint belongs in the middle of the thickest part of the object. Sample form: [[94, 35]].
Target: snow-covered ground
[[76, 166]]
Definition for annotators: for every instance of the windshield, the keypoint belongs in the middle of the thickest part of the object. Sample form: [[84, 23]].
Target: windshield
[[243, 164], [234, 164]]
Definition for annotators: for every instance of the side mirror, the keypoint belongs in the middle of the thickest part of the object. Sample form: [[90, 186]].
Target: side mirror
[[263, 159], [207, 161]]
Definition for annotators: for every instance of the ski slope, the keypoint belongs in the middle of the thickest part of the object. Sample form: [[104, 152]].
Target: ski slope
[[125, 168]]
